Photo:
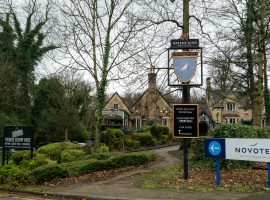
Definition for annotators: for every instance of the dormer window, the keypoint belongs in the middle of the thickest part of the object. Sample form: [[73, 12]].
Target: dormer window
[[115, 106], [231, 107]]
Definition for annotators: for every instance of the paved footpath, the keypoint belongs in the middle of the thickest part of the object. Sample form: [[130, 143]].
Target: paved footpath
[[123, 186]]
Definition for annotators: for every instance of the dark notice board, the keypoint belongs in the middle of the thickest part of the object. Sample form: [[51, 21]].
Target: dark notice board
[[18, 137], [185, 121]]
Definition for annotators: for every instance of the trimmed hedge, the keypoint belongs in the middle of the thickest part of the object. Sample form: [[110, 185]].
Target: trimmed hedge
[[30, 171], [49, 172], [145, 139]]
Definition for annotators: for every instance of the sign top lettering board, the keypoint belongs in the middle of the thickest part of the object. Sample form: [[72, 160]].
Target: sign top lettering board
[[184, 44], [185, 121]]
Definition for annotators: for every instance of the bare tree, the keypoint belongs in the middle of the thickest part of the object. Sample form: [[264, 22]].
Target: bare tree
[[101, 38]]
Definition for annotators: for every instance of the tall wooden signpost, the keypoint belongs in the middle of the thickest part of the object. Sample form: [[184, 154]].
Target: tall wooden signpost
[[184, 56]]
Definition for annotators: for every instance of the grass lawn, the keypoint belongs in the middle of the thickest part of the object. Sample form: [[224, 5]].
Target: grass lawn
[[244, 180]]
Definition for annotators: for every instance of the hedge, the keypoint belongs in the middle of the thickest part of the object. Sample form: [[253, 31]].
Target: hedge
[[49, 172], [145, 139]]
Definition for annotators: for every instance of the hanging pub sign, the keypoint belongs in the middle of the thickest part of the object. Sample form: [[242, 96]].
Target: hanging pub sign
[[185, 64]]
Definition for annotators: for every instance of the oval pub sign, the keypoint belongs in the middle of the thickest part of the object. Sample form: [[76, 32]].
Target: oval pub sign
[[185, 65]]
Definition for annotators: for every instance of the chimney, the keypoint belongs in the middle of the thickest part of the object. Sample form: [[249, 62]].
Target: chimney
[[152, 83]]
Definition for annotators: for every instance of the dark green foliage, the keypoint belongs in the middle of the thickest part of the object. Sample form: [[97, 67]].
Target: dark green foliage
[[21, 50], [145, 139], [49, 172], [197, 146], [133, 159], [234, 131], [157, 131], [21, 176], [113, 138], [19, 156], [60, 106], [117, 161], [132, 143], [7, 120], [78, 133]]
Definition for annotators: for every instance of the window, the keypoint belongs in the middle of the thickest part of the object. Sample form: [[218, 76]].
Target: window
[[231, 120], [231, 106], [115, 106]]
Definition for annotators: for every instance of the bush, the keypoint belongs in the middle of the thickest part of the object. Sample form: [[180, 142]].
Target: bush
[[87, 148], [197, 146], [145, 139], [49, 172], [53, 151], [134, 159], [234, 131], [103, 149], [164, 139], [21, 176], [79, 133], [40, 160], [71, 155], [19, 156], [158, 131], [132, 143], [112, 137]]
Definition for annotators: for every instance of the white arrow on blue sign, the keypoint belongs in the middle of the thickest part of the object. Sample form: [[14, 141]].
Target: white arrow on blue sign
[[214, 148]]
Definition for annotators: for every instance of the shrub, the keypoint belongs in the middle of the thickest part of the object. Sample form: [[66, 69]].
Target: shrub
[[71, 155], [49, 172], [234, 131], [164, 139], [20, 176], [4, 174], [79, 133], [145, 139], [103, 149], [132, 143], [134, 159], [197, 146], [158, 131], [87, 148], [19, 156], [40, 160], [112, 137], [54, 150]]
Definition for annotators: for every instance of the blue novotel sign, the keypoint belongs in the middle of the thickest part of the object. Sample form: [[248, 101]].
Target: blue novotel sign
[[238, 149]]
